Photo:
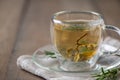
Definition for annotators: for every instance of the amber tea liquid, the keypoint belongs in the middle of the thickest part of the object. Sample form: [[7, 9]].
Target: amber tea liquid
[[77, 41]]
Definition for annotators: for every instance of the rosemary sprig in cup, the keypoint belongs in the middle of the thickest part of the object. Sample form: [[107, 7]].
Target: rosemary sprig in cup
[[110, 74]]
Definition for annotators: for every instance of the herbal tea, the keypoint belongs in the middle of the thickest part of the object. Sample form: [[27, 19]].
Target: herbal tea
[[77, 41]]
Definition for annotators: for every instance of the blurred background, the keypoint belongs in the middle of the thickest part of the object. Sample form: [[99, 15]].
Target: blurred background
[[25, 24]]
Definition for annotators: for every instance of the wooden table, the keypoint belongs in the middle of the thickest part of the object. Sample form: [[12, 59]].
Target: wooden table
[[24, 27]]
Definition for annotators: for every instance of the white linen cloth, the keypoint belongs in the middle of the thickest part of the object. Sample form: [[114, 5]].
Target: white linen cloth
[[25, 62]]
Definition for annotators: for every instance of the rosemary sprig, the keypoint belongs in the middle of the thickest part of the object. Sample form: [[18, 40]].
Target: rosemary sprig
[[50, 54], [110, 74]]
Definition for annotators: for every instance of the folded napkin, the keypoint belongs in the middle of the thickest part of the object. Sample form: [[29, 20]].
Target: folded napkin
[[25, 62]]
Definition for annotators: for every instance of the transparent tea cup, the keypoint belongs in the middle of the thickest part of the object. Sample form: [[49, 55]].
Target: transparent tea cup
[[77, 37]]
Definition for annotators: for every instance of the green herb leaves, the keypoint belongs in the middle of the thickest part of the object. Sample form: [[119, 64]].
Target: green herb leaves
[[107, 75], [50, 54], [75, 28]]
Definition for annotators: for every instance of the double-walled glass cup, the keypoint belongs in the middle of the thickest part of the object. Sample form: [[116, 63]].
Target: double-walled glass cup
[[77, 37]]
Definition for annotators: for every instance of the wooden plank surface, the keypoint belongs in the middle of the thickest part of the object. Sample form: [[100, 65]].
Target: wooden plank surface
[[10, 11], [25, 24], [110, 11]]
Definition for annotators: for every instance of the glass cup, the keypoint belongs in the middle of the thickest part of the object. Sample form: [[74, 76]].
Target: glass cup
[[77, 37]]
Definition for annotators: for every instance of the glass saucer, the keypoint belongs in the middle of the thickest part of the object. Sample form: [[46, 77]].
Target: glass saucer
[[44, 61]]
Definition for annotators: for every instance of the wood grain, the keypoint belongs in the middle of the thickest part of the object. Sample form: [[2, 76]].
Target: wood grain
[[9, 19], [110, 11], [25, 26]]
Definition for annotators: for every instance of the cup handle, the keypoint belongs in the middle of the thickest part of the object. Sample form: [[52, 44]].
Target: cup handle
[[113, 28]]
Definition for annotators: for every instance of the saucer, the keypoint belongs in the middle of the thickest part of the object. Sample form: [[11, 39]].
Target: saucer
[[44, 61]]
